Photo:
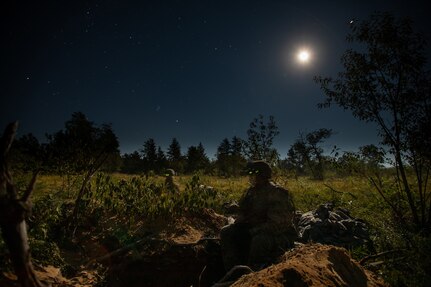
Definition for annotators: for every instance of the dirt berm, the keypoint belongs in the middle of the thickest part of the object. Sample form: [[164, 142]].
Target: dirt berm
[[312, 265]]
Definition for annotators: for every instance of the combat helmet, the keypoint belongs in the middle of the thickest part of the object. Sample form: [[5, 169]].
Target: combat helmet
[[259, 168], [169, 172]]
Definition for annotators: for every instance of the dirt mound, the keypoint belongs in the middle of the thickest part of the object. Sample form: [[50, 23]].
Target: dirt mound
[[312, 265]]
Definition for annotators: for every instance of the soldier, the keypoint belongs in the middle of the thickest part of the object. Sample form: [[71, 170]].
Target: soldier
[[170, 184], [263, 229]]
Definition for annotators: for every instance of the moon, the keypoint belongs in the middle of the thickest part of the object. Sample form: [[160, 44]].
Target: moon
[[303, 56]]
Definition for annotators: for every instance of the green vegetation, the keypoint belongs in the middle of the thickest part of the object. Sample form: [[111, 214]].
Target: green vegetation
[[136, 198]]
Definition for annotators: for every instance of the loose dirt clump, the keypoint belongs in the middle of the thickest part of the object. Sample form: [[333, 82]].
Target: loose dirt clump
[[312, 265]]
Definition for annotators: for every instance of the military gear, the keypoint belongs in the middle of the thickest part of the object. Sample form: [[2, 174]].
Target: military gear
[[170, 172], [259, 168], [263, 229], [170, 183]]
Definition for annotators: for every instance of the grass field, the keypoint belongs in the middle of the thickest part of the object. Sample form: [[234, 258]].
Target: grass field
[[353, 193], [129, 195]]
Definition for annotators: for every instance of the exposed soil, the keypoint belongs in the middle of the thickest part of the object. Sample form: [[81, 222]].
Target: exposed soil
[[312, 265]]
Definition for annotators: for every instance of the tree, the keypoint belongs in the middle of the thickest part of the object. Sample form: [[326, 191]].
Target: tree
[[149, 155], [174, 156], [386, 82], [196, 159], [297, 157], [223, 157], [230, 160], [237, 153], [314, 139], [132, 163], [368, 162], [82, 148], [27, 154], [372, 156], [260, 139], [307, 152], [161, 163]]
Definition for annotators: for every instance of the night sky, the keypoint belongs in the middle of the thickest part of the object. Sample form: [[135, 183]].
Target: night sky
[[199, 71]]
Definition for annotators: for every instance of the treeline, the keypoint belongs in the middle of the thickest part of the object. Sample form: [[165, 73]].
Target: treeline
[[83, 147]]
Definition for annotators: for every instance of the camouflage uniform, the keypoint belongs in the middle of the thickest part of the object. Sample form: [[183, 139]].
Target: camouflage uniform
[[263, 229], [170, 184]]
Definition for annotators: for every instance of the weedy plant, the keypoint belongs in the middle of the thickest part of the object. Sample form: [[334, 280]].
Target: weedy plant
[[145, 198]]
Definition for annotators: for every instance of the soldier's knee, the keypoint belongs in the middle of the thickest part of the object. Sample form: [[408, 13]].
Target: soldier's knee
[[227, 232]]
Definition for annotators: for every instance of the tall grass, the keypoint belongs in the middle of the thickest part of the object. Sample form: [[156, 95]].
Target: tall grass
[[135, 198]]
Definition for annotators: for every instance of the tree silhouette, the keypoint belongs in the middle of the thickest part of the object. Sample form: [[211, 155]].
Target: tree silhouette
[[162, 162], [237, 153], [27, 154], [82, 148], [260, 139], [132, 163], [196, 159], [223, 155], [174, 156], [386, 82], [149, 155], [307, 152], [230, 160]]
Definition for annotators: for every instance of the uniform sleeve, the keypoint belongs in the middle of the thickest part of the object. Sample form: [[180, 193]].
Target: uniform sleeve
[[244, 205], [282, 209]]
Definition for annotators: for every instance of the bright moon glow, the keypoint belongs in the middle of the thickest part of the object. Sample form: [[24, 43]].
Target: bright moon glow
[[303, 56]]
